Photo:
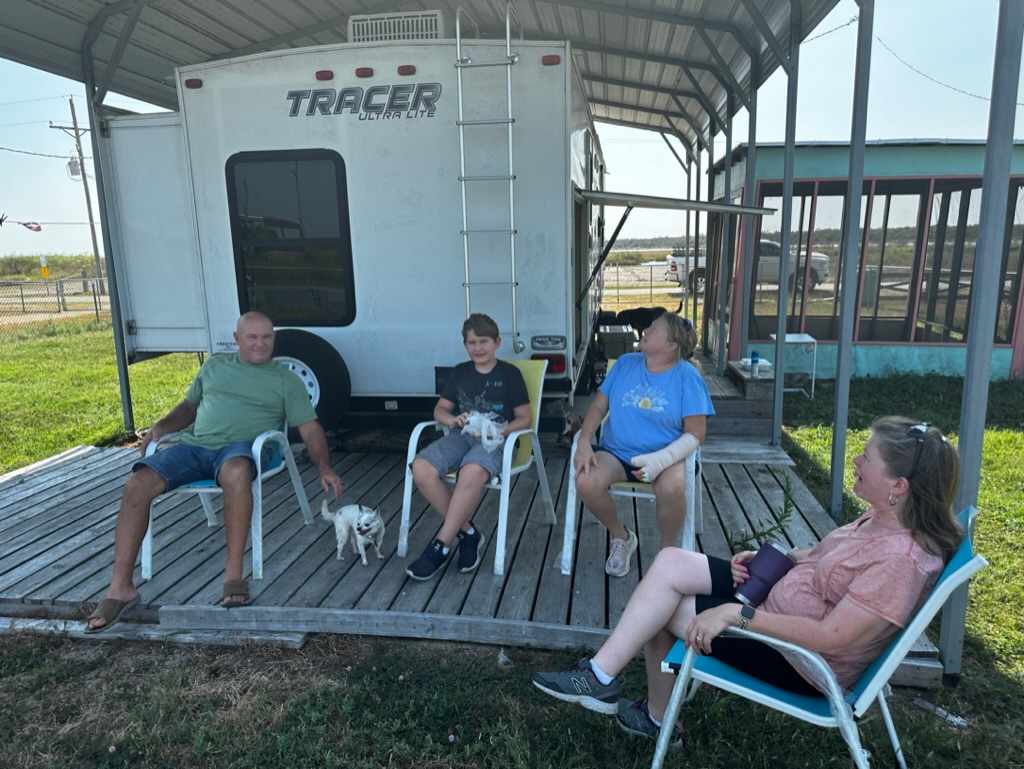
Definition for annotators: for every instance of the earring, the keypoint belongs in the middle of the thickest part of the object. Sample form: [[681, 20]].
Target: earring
[[892, 498]]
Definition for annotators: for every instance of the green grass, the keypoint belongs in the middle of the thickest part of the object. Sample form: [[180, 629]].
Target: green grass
[[352, 702], [58, 387]]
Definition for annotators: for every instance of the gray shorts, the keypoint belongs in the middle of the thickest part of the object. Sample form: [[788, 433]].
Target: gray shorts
[[456, 450]]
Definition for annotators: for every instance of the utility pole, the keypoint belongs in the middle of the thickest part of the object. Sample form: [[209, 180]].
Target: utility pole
[[76, 133]]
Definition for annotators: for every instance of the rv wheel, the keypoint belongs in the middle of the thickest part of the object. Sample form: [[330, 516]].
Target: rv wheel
[[321, 369], [697, 281]]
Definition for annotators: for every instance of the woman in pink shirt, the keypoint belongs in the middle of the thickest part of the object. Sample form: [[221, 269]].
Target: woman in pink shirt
[[843, 598]]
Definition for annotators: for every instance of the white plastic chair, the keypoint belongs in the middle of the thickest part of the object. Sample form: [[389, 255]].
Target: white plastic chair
[[271, 453], [693, 523], [834, 708], [520, 452]]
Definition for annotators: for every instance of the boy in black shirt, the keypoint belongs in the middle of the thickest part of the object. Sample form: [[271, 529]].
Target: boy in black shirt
[[486, 385]]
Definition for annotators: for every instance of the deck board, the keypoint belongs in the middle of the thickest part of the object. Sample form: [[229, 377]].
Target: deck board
[[58, 550]]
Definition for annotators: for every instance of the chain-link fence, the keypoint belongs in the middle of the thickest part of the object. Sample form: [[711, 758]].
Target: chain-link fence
[[31, 301]]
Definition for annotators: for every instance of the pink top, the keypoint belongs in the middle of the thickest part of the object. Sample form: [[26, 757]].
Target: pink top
[[873, 563]]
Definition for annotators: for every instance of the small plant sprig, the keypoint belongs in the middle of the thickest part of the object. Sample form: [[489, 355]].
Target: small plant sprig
[[745, 541]]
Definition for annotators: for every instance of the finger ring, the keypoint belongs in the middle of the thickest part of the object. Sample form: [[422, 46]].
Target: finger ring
[[700, 637]]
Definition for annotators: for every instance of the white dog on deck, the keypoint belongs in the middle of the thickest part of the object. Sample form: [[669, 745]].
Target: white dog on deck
[[363, 524]]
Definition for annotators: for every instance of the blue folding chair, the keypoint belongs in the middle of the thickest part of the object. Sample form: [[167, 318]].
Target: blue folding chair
[[271, 453], [834, 708]]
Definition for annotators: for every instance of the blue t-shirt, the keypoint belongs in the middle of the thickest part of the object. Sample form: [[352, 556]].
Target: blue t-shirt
[[645, 410]]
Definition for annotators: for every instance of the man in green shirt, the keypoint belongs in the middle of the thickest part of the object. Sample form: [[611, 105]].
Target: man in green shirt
[[233, 399]]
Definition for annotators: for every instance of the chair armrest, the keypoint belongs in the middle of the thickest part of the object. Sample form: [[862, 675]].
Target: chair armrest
[[509, 449], [153, 445], [822, 672], [414, 440], [270, 436]]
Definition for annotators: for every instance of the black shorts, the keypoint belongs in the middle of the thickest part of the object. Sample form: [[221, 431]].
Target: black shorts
[[745, 654], [625, 465]]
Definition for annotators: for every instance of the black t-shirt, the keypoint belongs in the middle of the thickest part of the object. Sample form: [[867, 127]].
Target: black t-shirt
[[498, 391]]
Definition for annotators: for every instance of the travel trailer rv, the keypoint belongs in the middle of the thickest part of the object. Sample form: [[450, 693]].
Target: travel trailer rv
[[366, 196]]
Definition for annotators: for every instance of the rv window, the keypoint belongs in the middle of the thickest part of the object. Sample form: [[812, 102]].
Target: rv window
[[289, 224]]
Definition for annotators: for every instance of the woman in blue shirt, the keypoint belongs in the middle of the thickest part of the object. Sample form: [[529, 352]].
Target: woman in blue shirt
[[657, 406]]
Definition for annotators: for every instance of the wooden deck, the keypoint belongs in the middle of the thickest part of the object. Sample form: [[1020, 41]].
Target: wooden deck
[[57, 524]]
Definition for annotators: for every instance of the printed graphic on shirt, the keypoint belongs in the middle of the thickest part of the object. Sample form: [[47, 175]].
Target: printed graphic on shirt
[[646, 398], [479, 401]]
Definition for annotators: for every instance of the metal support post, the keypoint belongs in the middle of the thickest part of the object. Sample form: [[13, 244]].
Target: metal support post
[[986, 285], [696, 246], [728, 227], [850, 252], [115, 303], [749, 222], [795, 23]]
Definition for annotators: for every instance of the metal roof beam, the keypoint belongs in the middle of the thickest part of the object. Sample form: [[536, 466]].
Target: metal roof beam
[[766, 32], [655, 89], [675, 19], [639, 86], [646, 110], [631, 124], [675, 154], [684, 64], [736, 88], [115, 59]]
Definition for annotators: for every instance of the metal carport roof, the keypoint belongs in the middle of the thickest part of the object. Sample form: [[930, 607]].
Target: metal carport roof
[[664, 65]]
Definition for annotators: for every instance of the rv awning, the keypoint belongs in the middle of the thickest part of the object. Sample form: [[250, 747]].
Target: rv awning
[[629, 200], [675, 68]]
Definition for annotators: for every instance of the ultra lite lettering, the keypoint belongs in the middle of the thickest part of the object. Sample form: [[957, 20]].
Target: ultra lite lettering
[[373, 103]]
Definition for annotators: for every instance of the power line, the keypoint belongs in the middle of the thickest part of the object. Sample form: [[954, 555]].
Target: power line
[[935, 80], [36, 154], [42, 98], [26, 122], [851, 20]]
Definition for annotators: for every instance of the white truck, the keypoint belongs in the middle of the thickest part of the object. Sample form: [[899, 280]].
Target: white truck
[[767, 267], [333, 188]]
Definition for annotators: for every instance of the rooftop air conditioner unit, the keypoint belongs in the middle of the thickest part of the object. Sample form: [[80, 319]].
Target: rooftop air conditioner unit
[[402, 25]]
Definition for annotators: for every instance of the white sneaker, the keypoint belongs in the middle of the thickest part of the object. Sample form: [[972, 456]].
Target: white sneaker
[[620, 556]]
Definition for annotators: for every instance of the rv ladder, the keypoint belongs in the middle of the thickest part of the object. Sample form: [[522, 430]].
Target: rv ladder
[[508, 61]]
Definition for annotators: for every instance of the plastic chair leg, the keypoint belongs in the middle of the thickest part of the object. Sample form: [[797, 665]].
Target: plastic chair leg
[[300, 490], [257, 529], [569, 533], [542, 478], [211, 514], [147, 549], [502, 532], [403, 529]]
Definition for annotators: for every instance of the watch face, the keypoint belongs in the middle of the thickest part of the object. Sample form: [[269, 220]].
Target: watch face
[[747, 612]]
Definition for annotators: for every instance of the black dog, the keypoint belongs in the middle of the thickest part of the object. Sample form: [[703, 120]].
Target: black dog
[[640, 318]]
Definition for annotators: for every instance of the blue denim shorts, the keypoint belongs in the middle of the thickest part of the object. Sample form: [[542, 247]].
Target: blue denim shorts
[[455, 450], [184, 463]]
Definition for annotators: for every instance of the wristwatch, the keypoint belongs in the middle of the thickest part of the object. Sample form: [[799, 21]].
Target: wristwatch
[[746, 616]]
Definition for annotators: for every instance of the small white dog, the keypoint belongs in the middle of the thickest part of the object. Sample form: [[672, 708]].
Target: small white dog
[[363, 524]]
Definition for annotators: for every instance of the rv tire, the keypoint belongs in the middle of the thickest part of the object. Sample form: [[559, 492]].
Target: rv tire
[[328, 368]]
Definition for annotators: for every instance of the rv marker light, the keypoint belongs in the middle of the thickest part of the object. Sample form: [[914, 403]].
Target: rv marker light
[[550, 59], [325, 74], [364, 71], [406, 69], [193, 82], [556, 363]]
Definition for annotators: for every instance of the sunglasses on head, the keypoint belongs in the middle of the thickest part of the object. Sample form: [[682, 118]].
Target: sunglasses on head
[[918, 432]]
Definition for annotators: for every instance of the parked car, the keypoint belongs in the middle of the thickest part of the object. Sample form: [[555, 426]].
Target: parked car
[[767, 267]]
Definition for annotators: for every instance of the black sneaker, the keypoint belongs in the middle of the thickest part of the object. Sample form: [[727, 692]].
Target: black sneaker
[[430, 562], [581, 686], [634, 718], [471, 550]]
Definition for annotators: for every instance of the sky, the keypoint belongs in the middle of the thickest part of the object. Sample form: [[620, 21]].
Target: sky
[[952, 41]]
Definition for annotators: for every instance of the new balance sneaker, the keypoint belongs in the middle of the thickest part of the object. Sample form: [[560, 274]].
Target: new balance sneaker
[[581, 686], [430, 562], [634, 718], [620, 555], [471, 550]]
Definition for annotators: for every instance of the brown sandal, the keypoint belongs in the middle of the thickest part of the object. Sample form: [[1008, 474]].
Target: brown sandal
[[109, 610], [235, 588]]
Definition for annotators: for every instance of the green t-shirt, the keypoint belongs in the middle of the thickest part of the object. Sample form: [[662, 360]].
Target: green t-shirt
[[237, 401]]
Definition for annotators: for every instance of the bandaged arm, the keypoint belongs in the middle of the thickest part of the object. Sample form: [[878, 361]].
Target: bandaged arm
[[652, 464]]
